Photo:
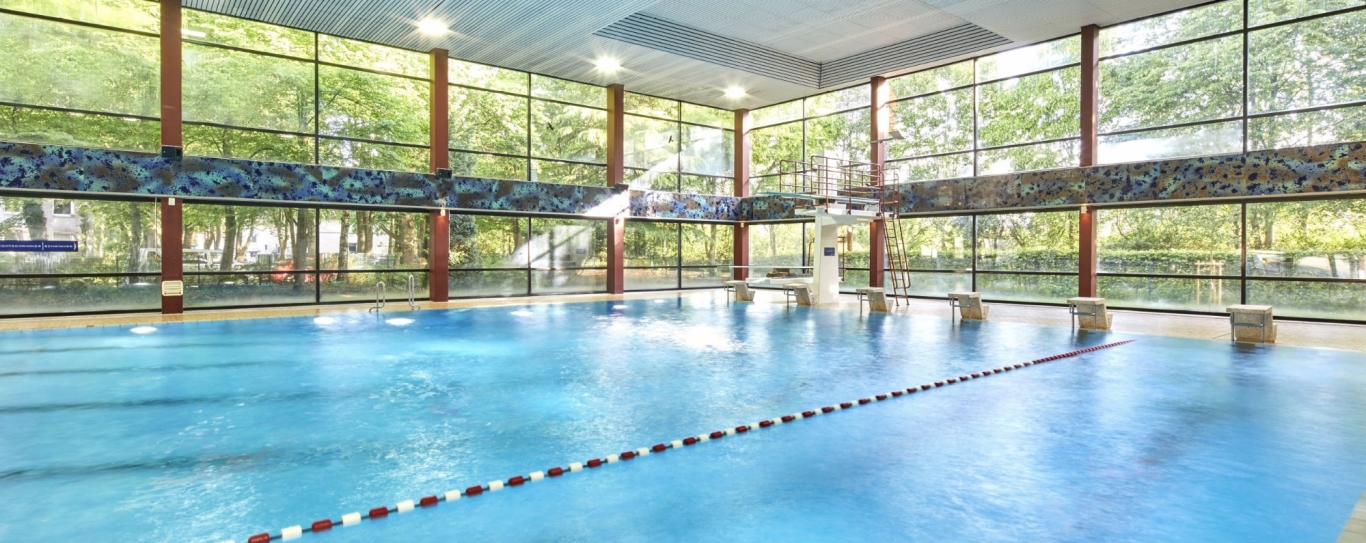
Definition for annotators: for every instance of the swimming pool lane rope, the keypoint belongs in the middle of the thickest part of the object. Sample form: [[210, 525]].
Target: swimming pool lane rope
[[519, 480]]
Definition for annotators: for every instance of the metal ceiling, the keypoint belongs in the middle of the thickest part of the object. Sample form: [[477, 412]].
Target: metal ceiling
[[694, 49]]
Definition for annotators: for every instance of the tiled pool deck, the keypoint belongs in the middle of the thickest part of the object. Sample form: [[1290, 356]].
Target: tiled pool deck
[[1305, 334]]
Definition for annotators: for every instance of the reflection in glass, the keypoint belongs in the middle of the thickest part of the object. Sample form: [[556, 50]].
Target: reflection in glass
[[1060, 52], [1207, 139], [1174, 27], [1044, 241], [1042, 156], [937, 123], [21, 296], [1194, 82], [1032, 108], [933, 80], [48, 63], [1191, 240], [111, 236], [1312, 63]]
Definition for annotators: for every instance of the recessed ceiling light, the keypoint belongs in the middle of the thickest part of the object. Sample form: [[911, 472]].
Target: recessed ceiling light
[[432, 27], [607, 64], [735, 92]]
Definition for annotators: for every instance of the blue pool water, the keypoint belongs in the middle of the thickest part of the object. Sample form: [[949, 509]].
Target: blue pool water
[[216, 431]]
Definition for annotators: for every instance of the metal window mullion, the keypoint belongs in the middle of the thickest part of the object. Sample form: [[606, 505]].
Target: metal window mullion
[[974, 253], [975, 92], [1242, 267], [317, 105], [1246, 5], [317, 255]]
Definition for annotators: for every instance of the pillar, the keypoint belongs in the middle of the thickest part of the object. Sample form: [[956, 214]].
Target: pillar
[[616, 177], [440, 136], [439, 253], [439, 257], [616, 131], [616, 255], [741, 155], [881, 124], [1090, 93], [171, 131], [172, 255], [172, 134]]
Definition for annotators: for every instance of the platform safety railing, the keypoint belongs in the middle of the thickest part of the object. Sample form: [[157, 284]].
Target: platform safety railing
[[825, 180]]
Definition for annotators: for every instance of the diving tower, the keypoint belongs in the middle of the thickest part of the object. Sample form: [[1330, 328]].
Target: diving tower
[[837, 192]]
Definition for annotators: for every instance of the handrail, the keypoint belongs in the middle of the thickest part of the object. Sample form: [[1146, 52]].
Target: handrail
[[412, 289], [380, 297]]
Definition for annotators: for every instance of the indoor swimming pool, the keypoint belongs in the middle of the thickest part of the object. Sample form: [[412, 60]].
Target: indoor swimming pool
[[215, 431]]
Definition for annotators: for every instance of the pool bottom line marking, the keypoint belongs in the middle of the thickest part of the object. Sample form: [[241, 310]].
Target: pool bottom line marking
[[380, 512]]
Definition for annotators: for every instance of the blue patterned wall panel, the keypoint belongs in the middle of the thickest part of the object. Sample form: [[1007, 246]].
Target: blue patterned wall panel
[[56, 168], [1282, 172]]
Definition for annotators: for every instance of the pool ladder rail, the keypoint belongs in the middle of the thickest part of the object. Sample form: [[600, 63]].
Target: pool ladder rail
[[381, 295], [412, 292]]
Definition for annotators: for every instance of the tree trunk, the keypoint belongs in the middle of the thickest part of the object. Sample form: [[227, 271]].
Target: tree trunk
[[135, 237], [35, 218], [229, 240], [303, 235], [344, 240]]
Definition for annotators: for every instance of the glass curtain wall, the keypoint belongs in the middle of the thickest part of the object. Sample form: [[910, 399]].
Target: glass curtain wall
[[81, 73], [1017, 257], [78, 255], [264, 92], [1305, 258], [836, 124], [1233, 76], [241, 255], [1013, 111], [670, 255], [507, 124], [678, 147]]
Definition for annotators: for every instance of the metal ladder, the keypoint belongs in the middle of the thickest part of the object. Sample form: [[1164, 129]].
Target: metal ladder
[[894, 240], [380, 297]]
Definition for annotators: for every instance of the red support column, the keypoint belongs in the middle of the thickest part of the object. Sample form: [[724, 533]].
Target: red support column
[[439, 254], [1087, 262], [616, 130], [616, 176], [438, 263], [172, 256], [616, 255], [881, 124], [440, 110], [1086, 253], [171, 132], [172, 228], [740, 236]]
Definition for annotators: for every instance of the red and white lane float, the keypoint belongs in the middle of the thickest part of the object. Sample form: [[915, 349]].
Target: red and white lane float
[[377, 513]]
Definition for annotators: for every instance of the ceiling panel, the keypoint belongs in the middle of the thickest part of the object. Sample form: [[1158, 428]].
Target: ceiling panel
[[556, 37]]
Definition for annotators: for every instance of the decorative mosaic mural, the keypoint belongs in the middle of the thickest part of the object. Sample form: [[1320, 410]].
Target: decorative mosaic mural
[[57, 168], [1282, 172], [1307, 170]]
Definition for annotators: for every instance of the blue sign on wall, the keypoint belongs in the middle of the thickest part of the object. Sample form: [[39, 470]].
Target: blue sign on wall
[[829, 251], [37, 246]]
